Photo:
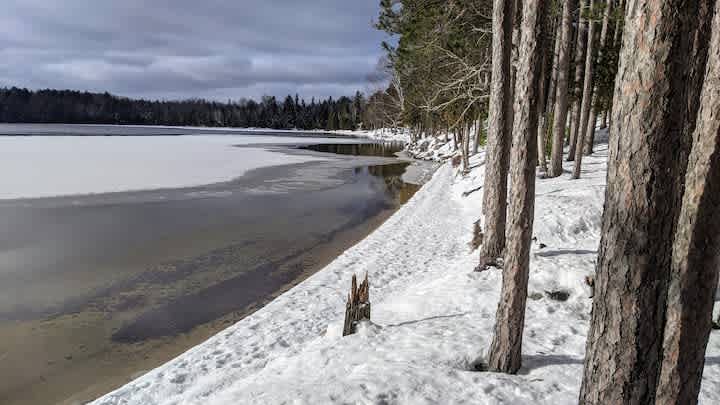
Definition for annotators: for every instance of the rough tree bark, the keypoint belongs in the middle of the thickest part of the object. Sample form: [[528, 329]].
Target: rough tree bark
[[548, 91], [656, 100], [590, 135], [580, 46], [498, 136], [696, 250], [587, 96], [505, 352], [561, 101]]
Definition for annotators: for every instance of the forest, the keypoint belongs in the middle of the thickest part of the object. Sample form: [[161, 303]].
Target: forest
[[74, 107], [533, 81]]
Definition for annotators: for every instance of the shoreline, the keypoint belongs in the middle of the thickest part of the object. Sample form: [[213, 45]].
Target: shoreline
[[153, 352], [248, 333], [164, 349]]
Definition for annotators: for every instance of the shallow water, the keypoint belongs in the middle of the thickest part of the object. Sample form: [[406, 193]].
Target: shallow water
[[94, 289]]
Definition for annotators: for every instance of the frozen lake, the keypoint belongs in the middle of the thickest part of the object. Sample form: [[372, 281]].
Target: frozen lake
[[198, 231], [53, 163]]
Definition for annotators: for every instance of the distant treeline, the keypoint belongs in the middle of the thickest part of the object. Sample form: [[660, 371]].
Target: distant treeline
[[74, 107]]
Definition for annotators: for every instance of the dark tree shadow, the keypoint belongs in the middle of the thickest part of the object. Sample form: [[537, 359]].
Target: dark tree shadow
[[467, 193], [534, 362], [428, 319], [560, 252]]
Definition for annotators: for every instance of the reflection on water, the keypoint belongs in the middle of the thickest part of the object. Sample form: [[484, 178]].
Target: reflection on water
[[392, 177], [380, 189], [382, 149], [95, 277]]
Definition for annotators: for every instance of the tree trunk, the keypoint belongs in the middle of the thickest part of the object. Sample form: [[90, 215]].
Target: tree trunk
[[561, 103], [505, 352], [542, 101], [466, 147], [514, 55], [617, 37], [656, 100], [547, 117], [695, 260], [590, 137], [498, 137], [587, 96], [580, 46], [619, 26], [478, 131]]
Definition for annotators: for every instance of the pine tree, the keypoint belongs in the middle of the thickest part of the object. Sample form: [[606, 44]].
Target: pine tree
[[695, 259], [575, 115], [586, 104], [561, 101], [499, 133], [655, 106], [506, 348], [595, 105]]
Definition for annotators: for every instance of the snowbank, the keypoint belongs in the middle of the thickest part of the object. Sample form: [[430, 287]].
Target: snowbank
[[432, 316], [43, 166], [383, 134]]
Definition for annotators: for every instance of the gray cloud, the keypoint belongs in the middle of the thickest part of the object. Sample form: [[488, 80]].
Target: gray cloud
[[216, 49]]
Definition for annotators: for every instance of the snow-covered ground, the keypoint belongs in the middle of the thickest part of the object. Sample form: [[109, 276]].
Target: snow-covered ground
[[432, 316], [383, 134], [43, 166]]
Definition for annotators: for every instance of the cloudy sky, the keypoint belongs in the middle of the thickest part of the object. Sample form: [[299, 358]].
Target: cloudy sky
[[170, 49]]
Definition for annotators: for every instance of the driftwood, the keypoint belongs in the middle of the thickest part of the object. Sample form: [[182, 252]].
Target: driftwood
[[358, 305]]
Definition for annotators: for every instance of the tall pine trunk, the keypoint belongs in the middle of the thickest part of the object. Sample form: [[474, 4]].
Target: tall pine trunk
[[465, 147], [695, 259], [656, 100], [587, 96], [617, 37], [547, 118], [590, 137], [580, 46], [561, 102], [542, 100], [506, 349], [498, 137], [478, 132]]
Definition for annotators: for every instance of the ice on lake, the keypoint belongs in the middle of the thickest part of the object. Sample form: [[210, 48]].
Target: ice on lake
[[45, 166]]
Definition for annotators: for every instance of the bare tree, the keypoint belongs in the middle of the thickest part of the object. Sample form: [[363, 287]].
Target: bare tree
[[499, 129], [653, 109], [505, 352], [561, 102], [696, 250]]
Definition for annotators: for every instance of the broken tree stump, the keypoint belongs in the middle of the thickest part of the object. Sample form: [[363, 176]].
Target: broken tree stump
[[358, 305]]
